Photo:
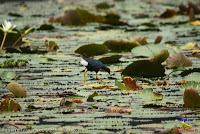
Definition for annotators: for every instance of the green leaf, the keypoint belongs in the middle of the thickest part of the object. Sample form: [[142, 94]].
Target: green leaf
[[120, 85], [151, 50], [150, 95], [91, 97], [193, 77], [7, 76]]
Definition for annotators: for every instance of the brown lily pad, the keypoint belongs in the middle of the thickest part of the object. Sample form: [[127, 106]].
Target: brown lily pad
[[17, 89], [191, 98], [9, 105]]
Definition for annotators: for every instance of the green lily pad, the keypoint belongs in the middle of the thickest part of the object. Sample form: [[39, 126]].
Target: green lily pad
[[7, 76], [91, 97], [150, 95], [120, 85], [192, 77], [92, 50], [150, 50]]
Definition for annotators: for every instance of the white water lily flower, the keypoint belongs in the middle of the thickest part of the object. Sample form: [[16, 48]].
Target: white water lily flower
[[7, 26]]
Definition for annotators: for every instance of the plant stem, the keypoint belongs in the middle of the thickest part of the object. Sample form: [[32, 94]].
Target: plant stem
[[3, 41], [18, 39]]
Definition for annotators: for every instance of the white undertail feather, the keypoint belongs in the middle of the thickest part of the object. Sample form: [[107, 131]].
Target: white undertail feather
[[84, 62]]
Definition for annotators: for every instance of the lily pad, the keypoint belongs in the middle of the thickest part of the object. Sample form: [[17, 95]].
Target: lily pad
[[191, 98], [46, 27], [91, 97], [144, 68], [150, 95], [92, 50], [120, 45], [17, 89], [130, 83], [76, 17], [150, 50], [7, 76], [13, 63], [9, 105], [120, 85], [103, 5], [110, 59], [178, 60], [168, 13], [192, 77]]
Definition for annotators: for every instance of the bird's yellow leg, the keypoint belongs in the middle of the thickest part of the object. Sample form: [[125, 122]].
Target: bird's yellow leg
[[97, 78], [85, 75]]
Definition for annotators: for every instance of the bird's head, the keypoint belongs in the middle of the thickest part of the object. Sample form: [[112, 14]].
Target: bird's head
[[106, 69]]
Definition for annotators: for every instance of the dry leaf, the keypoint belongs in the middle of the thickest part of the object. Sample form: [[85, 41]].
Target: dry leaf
[[168, 13], [17, 89], [158, 39], [191, 98], [51, 46], [162, 82], [195, 23], [70, 101], [139, 40], [191, 46], [178, 60], [9, 105], [116, 109], [130, 83]]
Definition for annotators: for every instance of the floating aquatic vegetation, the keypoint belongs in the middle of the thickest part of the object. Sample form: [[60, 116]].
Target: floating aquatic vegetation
[[46, 27], [121, 110], [178, 60], [147, 68], [120, 45], [17, 89], [9, 105], [80, 17], [148, 94], [92, 50], [91, 97], [11, 38], [7, 76], [110, 59], [13, 63], [191, 98], [52, 46], [168, 13], [151, 50], [104, 5]]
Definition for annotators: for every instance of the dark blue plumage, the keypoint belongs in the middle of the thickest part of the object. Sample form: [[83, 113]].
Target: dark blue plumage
[[95, 65]]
